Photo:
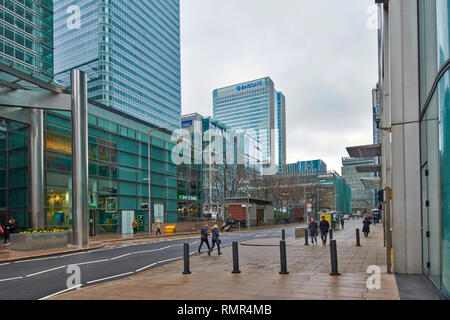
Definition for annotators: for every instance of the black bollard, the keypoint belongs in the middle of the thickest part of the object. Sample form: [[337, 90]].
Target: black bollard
[[306, 237], [334, 259], [331, 234], [358, 244], [235, 258], [283, 257], [186, 259], [283, 234]]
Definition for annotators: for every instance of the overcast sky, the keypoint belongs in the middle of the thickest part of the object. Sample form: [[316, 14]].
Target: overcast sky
[[320, 54]]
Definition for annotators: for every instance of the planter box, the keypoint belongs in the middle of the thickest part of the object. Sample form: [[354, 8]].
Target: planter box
[[39, 241]]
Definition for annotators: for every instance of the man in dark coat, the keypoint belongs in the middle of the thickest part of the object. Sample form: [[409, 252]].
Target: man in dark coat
[[204, 238], [366, 224], [313, 227], [324, 226]]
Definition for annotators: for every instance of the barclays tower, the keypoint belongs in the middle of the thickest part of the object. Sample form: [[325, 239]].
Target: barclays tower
[[259, 109], [130, 51]]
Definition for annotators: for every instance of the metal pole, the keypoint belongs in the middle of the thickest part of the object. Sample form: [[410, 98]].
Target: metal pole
[[334, 259], [80, 190], [331, 234], [306, 237], [37, 168], [186, 259], [283, 234], [150, 220], [283, 257], [235, 258], [358, 244]]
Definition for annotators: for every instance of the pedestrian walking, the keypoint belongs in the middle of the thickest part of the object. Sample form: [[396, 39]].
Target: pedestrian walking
[[204, 238], [324, 227], [158, 226], [215, 238], [134, 225], [342, 222], [313, 227], [366, 226], [2, 232], [8, 229]]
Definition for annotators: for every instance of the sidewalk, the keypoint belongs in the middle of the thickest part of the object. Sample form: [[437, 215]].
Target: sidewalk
[[7, 255], [308, 279]]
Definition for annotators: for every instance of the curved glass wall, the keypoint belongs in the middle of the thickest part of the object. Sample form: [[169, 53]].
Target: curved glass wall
[[435, 139]]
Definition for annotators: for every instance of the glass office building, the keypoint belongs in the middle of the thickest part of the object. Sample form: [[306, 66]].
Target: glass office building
[[434, 63], [26, 36], [253, 106], [362, 199], [281, 109], [118, 170], [310, 166], [130, 51]]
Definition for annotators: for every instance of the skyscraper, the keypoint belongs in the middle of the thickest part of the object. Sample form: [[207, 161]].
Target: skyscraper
[[253, 106], [26, 36], [281, 109], [130, 50]]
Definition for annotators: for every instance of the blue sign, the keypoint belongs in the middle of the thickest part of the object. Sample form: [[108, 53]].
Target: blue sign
[[186, 124], [249, 85]]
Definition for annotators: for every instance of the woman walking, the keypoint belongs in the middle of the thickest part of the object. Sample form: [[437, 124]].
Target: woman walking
[[215, 238]]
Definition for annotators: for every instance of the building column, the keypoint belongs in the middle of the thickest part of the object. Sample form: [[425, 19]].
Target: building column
[[37, 194], [405, 148], [80, 182]]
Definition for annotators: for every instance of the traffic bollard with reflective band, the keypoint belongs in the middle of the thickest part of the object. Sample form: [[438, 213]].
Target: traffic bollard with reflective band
[[358, 244], [306, 237], [283, 257], [334, 259], [331, 234], [283, 234], [186, 259], [235, 258]]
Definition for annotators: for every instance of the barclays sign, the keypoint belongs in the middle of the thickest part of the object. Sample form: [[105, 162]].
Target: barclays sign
[[249, 85]]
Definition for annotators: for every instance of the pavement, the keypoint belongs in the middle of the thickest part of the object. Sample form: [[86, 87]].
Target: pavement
[[308, 278]]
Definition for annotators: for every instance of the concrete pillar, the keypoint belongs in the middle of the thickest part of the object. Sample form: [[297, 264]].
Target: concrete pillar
[[80, 187], [37, 195], [405, 148]]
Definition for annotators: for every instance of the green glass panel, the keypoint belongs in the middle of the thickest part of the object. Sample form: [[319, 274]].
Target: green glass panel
[[127, 174], [2, 198], [158, 179], [127, 203], [2, 159], [18, 198], [126, 144], [172, 193], [157, 166], [127, 159], [142, 189], [18, 178], [157, 153], [158, 192], [128, 188], [18, 159], [107, 125]]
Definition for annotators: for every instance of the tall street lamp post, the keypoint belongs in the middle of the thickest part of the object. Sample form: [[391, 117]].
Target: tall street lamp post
[[149, 181]]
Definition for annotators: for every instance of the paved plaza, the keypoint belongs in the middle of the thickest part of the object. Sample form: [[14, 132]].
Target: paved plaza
[[308, 277]]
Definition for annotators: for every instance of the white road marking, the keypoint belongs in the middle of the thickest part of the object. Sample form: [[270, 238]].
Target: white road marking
[[72, 254], [124, 255], [45, 271], [57, 293], [112, 277], [150, 265], [40, 259], [89, 262], [4, 264], [2, 280]]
